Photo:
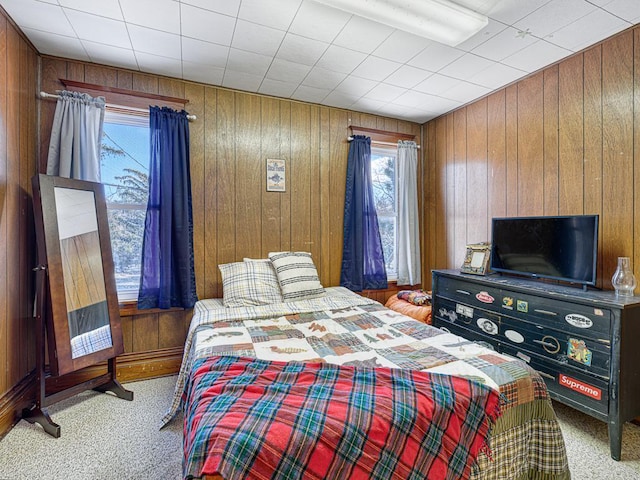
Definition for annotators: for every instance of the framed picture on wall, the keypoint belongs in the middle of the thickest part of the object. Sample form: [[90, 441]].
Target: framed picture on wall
[[476, 260], [276, 181]]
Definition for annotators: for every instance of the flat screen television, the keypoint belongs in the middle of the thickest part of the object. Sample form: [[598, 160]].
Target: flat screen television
[[561, 247]]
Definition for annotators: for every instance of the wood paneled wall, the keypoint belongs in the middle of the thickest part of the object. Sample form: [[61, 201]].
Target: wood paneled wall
[[565, 140], [234, 215], [18, 139]]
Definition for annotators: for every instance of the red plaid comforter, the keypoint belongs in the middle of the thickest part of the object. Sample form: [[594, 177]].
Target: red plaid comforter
[[258, 419]]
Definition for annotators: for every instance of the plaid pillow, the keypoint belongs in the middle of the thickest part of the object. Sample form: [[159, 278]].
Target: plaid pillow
[[297, 275], [249, 283]]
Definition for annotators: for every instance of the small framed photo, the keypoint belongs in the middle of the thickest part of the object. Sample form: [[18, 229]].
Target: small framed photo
[[476, 260], [276, 181]]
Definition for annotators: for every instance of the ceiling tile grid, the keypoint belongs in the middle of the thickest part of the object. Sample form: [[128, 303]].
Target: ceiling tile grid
[[307, 51]]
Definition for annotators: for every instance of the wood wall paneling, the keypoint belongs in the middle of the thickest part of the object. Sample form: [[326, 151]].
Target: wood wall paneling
[[5, 347], [530, 144], [550, 153], [571, 136], [564, 140], [477, 174], [618, 133]]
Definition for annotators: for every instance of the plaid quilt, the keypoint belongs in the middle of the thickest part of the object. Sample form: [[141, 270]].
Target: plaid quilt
[[346, 329], [259, 419]]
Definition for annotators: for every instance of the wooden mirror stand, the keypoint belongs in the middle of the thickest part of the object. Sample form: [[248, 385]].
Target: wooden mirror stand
[[76, 297]]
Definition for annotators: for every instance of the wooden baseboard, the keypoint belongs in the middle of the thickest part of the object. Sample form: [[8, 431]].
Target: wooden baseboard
[[11, 403], [130, 367]]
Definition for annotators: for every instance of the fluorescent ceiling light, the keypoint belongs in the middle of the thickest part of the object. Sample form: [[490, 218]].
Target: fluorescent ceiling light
[[440, 20]]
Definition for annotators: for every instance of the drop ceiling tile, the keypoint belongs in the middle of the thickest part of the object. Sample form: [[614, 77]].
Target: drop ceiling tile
[[99, 29], [39, 16], [272, 13], [491, 30], [587, 30], [285, 71], [374, 68], [159, 65], [241, 81], [436, 84], [226, 7], [465, 92], [367, 105], [628, 10], [497, 76], [340, 59], [504, 44], [197, 51], [104, 8], [510, 11], [322, 78], [248, 62], [466, 66], [157, 14], [553, 16], [362, 35], [199, 72], [155, 42], [256, 38], [297, 49], [401, 46], [536, 56], [385, 92], [109, 55], [57, 45], [440, 104], [197, 23], [310, 94], [413, 99], [407, 76], [435, 57], [277, 88], [339, 99], [319, 22], [355, 86]]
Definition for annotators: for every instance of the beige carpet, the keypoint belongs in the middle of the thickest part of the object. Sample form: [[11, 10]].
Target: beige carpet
[[106, 438]]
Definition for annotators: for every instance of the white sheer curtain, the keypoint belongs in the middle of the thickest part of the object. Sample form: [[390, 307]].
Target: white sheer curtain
[[76, 136], [408, 225]]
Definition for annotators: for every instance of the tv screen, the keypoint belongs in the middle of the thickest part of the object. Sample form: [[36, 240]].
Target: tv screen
[[562, 247]]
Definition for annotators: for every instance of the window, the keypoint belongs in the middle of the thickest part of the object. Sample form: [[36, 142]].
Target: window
[[383, 176], [124, 166]]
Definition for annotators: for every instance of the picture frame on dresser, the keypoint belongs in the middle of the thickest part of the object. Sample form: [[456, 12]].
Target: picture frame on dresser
[[476, 259]]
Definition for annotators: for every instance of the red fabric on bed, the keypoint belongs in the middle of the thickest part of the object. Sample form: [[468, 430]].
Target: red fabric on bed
[[421, 313], [255, 419]]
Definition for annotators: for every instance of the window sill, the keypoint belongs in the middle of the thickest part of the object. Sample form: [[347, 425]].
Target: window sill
[[129, 308]]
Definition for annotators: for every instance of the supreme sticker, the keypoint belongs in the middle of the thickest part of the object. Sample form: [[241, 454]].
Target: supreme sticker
[[484, 297], [580, 387]]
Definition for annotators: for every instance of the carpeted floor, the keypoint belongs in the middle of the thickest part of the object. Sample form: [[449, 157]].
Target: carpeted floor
[[106, 438]]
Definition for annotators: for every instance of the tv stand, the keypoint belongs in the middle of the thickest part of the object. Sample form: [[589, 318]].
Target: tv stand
[[583, 343]]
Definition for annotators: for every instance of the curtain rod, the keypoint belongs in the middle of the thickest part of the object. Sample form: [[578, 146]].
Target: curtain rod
[[115, 107], [381, 143]]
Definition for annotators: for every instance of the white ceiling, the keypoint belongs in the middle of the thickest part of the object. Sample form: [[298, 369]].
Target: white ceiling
[[306, 51]]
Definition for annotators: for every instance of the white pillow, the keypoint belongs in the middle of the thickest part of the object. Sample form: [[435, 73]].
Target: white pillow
[[297, 275], [249, 284]]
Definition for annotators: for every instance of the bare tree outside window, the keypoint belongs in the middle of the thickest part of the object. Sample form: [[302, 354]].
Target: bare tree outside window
[[383, 176], [125, 175]]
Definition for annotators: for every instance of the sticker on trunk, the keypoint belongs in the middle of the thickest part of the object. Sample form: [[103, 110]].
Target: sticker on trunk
[[579, 321], [580, 387]]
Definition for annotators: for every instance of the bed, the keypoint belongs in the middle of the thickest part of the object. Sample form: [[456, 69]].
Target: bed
[[338, 386]]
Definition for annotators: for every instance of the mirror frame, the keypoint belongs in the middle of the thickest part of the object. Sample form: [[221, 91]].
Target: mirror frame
[[50, 256]]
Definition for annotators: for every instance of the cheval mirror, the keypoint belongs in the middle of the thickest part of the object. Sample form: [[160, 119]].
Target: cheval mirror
[[76, 302]]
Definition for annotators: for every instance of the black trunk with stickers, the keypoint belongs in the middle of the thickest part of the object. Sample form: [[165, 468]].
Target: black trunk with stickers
[[583, 343]]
